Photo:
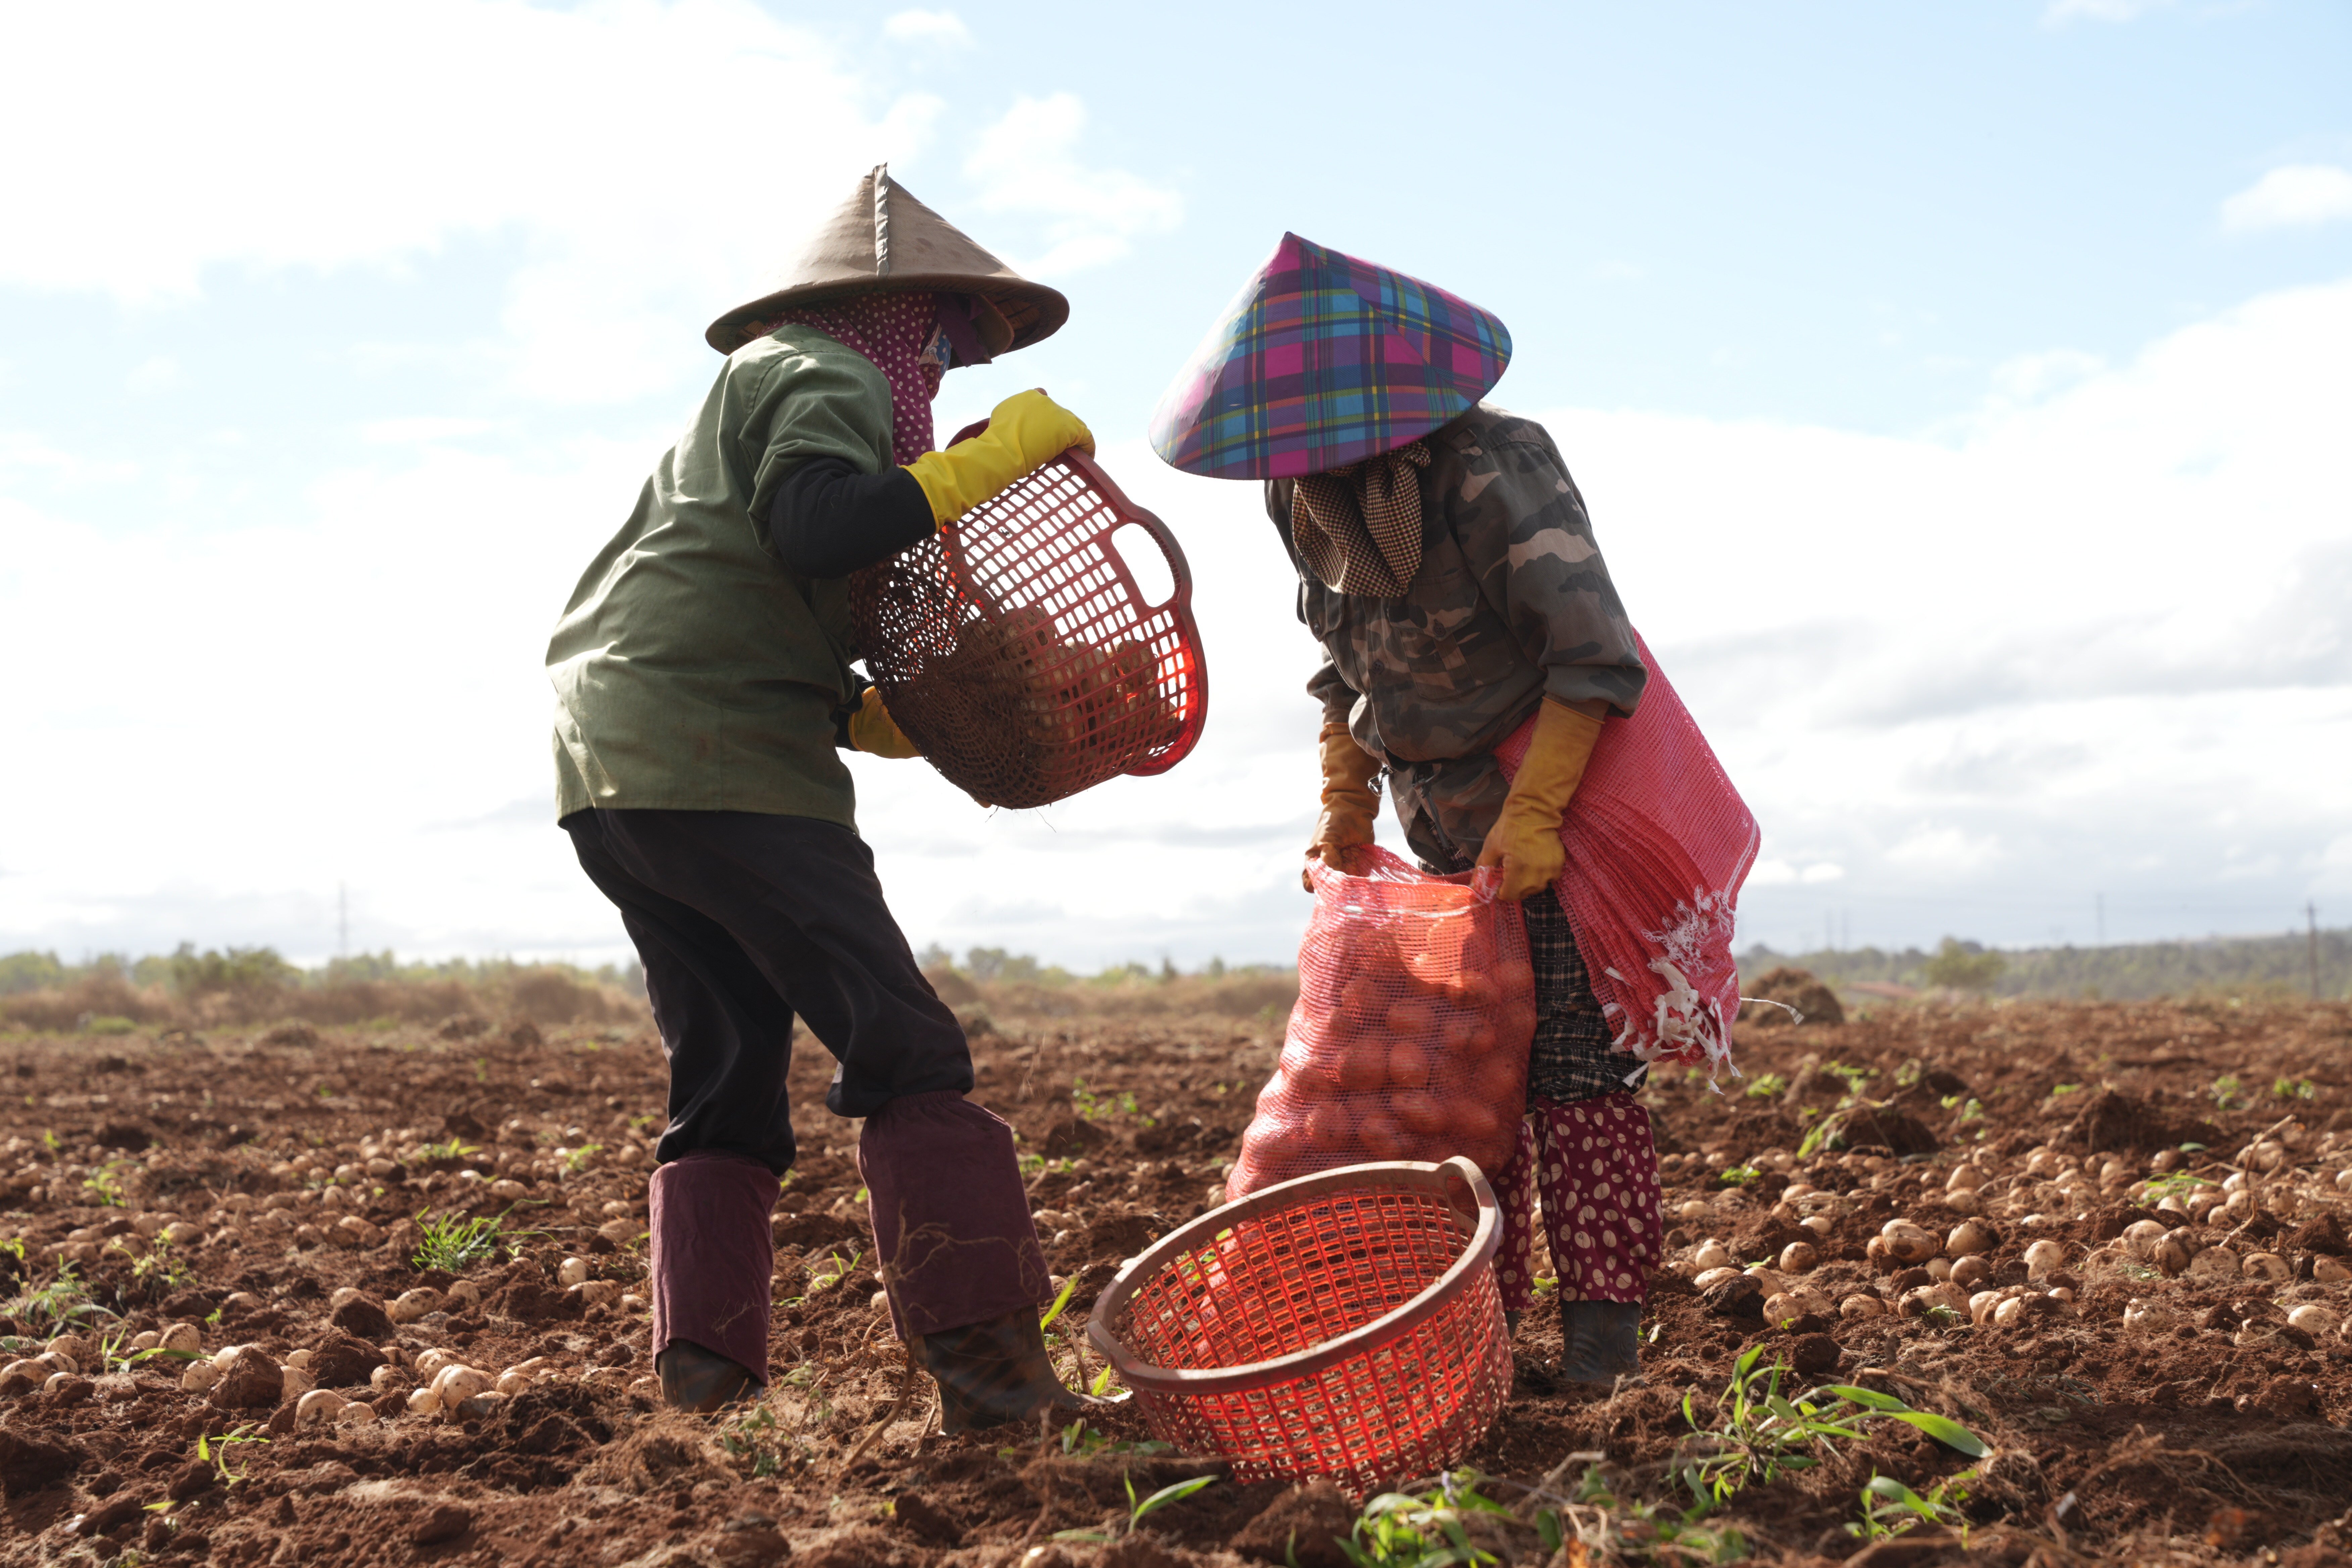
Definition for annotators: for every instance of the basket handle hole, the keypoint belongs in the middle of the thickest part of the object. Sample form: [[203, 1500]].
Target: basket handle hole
[[1145, 563]]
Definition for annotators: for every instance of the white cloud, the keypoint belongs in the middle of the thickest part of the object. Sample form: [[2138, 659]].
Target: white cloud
[[944, 28], [2101, 10], [422, 430], [1027, 164], [158, 374], [331, 137], [2295, 197], [2029, 377], [2101, 640], [24, 455]]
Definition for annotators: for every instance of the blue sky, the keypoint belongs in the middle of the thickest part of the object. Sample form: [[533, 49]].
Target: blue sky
[[1957, 391]]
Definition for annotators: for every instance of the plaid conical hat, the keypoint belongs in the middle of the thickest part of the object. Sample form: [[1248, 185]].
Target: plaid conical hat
[[1323, 360]]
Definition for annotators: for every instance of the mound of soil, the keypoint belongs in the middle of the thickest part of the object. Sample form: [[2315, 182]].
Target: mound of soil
[[1797, 989]]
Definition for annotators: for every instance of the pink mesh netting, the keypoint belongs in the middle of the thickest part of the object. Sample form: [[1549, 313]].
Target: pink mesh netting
[[1658, 844], [1409, 1041]]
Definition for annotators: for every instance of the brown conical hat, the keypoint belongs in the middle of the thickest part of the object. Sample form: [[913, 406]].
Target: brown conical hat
[[884, 240]]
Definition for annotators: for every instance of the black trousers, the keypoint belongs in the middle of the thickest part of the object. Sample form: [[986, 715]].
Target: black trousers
[[744, 919]]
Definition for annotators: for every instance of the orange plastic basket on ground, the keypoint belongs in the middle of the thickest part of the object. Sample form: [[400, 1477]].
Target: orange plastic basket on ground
[[1345, 1324], [1017, 649]]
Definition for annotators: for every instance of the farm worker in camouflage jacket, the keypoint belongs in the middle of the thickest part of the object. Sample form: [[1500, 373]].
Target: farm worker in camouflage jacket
[[1447, 566], [704, 684]]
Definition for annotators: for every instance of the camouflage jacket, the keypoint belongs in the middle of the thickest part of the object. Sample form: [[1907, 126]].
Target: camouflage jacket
[[1512, 604]]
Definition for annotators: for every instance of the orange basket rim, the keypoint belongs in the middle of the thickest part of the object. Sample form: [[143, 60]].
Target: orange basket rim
[[1458, 1180]]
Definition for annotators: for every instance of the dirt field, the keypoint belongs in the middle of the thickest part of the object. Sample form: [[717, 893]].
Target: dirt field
[[2169, 1411]]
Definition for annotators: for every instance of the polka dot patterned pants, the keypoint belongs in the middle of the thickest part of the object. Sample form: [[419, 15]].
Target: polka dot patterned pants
[[1592, 1165]]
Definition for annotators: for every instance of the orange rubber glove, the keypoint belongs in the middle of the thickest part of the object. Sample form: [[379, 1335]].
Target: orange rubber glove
[[1349, 806], [875, 733], [1025, 432], [1525, 838]]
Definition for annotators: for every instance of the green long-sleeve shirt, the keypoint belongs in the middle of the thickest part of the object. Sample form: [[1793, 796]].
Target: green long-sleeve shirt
[[692, 672]]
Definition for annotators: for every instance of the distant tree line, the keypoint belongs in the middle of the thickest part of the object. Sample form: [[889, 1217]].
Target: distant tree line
[[995, 963], [187, 972], [2268, 966]]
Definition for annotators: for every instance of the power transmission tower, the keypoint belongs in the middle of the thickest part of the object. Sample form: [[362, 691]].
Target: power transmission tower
[[2311, 923], [343, 921]]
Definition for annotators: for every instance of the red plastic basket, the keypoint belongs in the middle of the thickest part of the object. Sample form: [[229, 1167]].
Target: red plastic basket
[[1014, 647], [1346, 1324]]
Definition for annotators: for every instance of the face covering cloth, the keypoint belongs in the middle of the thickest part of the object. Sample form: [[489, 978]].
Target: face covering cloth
[[892, 331]]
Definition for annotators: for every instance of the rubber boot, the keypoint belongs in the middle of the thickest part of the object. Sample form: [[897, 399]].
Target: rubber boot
[[996, 1371], [701, 1381], [1600, 1342]]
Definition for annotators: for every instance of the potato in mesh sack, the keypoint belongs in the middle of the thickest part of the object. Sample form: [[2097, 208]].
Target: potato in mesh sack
[[1409, 1038]]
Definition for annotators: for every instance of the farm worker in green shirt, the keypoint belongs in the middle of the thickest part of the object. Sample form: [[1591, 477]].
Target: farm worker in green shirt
[[704, 688]]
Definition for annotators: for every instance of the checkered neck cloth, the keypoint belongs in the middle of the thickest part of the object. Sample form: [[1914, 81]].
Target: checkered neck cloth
[[1358, 529], [1323, 360]]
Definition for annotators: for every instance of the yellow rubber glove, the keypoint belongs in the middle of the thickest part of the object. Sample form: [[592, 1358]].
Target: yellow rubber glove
[[1350, 807], [1025, 432], [875, 733], [1525, 839]]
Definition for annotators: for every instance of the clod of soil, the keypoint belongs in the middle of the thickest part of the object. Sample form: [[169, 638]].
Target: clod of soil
[[443, 1521], [1303, 1526], [250, 1381]]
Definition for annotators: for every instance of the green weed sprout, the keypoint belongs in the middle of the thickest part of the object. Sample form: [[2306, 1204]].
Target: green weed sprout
[[1766, 1435], [214, 1451], [1084, 1442], [161, 1264], [114, 1358], [2172, 1183], [1399, 1529], [1137, 1509], [1069, 1288], [1890, 1507], [1639, 1528], [757, 1436], [59, 1302], [455, 1244], [107, 1182], [1092, 1107]]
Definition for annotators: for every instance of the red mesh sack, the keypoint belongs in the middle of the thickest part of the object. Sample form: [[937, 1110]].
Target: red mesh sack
[[1015, 648], [1409, 1038], [1658, 844]]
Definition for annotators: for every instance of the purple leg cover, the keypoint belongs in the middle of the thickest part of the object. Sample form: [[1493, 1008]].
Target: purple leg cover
[[712, 1257], [1595, 1170], [1514, 1190], [952, 1228]]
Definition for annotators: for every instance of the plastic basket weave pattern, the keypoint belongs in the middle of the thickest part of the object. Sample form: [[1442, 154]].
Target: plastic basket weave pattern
[[1014, 647], [1346, 1324]]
